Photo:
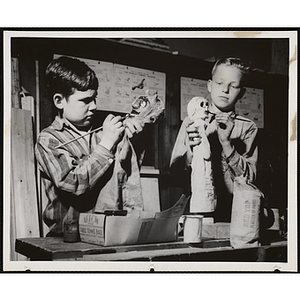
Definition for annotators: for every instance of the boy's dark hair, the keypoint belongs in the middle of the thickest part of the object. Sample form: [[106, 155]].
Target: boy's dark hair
[[65, 74], [235, 62]]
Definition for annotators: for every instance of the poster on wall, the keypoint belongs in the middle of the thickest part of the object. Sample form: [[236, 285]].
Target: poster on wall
[[120, 85], [250, 106], [131, 82]]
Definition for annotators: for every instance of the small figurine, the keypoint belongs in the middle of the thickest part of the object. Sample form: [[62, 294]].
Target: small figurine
[[203, 198]]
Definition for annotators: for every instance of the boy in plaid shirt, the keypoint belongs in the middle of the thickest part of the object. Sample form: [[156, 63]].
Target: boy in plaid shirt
[[73, 174]]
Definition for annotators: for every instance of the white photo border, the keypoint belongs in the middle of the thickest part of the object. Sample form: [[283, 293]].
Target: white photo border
[[290, 266]]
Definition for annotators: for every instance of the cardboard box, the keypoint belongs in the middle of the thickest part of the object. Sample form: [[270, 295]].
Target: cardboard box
[[138, 227], [219, 230]]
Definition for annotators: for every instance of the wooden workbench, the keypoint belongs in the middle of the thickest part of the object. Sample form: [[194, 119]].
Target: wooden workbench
[[51, 248]]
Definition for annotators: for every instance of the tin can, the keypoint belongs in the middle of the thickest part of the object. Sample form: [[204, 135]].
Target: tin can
[[192, 228], [71, 232]]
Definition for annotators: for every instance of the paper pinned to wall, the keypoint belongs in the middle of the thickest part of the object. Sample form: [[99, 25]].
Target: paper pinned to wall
[[250, 106], [131, 82], [105, 74], [120, 85]]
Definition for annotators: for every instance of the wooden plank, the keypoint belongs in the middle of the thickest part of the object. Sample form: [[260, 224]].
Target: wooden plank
[[40, 187], [13, 254], [24, 197], [43, 204], [53, 248], [150, 254], [15, 83], [220, 250], [225, 253]]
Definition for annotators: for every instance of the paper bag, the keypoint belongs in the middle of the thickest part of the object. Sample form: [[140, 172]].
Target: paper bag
[[244, 227]]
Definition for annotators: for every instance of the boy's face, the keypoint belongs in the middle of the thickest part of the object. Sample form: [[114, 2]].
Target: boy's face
[[225, 87], [80, 107]]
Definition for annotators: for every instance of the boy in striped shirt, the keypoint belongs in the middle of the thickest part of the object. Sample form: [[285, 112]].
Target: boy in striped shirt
[[73, 174]]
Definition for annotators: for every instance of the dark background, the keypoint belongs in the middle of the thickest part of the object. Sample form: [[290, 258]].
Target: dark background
[[194, 58]]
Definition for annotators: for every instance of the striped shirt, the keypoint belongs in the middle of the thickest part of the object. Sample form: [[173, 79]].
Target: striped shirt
[[72, 174]]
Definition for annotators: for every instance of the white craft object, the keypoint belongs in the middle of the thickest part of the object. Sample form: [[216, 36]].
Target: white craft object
[[203, 198]]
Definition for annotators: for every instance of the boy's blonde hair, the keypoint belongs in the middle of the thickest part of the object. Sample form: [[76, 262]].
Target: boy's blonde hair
[[234, 62]]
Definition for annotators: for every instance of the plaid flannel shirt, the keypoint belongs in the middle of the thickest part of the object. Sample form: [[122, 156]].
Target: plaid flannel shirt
[[72, 174]]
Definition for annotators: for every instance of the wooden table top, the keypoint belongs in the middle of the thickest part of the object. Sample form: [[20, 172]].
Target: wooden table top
[[54, 248]]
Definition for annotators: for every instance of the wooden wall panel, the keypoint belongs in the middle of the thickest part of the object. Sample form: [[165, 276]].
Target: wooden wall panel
[[24, 208]]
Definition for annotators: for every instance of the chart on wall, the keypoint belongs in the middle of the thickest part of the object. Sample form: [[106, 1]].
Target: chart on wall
[[120, 85], [251, 105], [131, 82]]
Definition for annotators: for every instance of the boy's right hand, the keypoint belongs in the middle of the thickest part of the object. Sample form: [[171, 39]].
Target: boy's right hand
[[193, 133], [112, 132]]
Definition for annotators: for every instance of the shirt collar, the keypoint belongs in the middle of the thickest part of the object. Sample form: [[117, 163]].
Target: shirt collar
[[60, 122]]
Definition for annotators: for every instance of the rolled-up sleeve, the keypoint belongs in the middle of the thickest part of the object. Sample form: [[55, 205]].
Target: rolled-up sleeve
[[245, 163]]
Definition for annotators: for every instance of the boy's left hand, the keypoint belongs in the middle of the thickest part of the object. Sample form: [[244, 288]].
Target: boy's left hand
[[225, 124], [133, 126]]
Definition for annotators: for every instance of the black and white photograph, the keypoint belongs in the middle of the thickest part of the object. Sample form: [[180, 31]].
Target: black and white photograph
[[150, 150]]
